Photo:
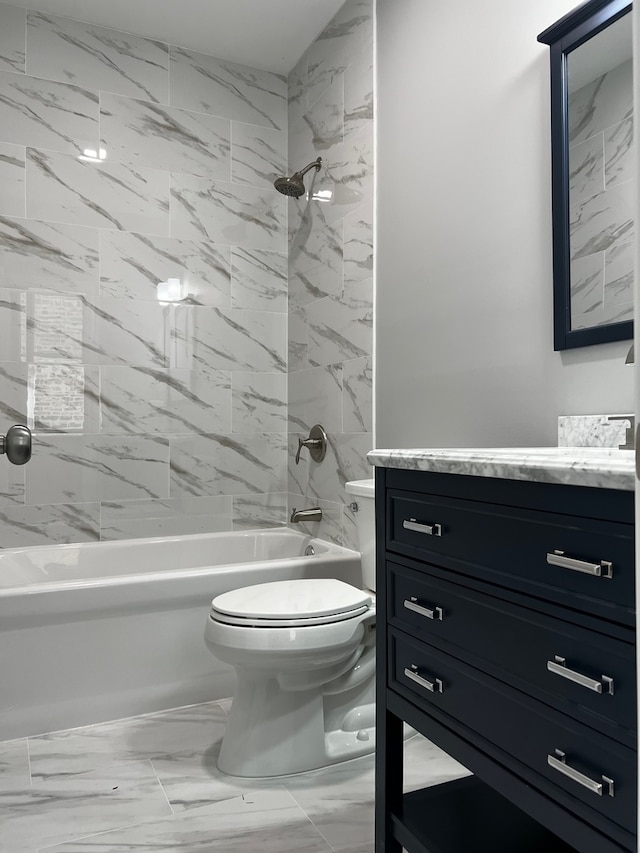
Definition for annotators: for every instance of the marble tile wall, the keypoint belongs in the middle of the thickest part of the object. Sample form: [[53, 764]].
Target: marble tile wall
[[602, 189], [124, 163], [331, 266]]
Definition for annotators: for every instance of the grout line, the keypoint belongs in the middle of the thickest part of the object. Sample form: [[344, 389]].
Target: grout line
[[29, 762], [166, 796], [293, 797]]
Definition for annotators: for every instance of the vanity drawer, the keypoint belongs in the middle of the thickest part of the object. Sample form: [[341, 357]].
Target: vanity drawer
[[521, 646], [518, 548], [595, 773]]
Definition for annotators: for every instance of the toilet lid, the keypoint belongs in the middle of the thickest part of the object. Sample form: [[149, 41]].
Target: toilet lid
[[297, 602]]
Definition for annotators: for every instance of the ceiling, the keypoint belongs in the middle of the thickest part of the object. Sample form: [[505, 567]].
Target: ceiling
[[268, 34]]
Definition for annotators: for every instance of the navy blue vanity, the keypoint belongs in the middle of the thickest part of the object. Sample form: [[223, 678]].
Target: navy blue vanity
[[506, 635]]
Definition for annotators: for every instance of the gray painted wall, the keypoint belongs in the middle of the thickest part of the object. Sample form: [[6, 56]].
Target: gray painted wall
[[464, 346]]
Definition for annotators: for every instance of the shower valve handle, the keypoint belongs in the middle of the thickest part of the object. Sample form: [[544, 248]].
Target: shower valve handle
[[17, 444], [317, 444]]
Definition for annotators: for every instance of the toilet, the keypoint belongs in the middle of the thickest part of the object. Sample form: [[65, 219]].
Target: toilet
[[304, 656]]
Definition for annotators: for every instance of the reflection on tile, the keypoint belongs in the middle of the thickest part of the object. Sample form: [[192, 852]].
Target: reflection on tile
[[586, 168], [357, 399], [48, 256], [587, 286], [12, 182], [49, 524], [618, 153], [602, 221], [259, 402], [13, 26], [426, 764], [258, 280], [315, 261], [44, 114], [14, 754], [63, 398], [203, 83], [179, 517], [229, 340], [65, 808], [259, 154], [315, 396], [269, 821], [108, 195], [147, 400], [348, 174], [132, 266], [251, 512], [90, 748], [140, 133], [602, 103], [618, 275], [358, 93], [358, 244], [92, 468], [228, 213], [341, 327], [97, 57], [228, 465], [13, 393]]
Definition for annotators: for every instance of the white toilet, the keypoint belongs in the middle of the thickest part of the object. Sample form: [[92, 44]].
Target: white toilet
[[304, 655]]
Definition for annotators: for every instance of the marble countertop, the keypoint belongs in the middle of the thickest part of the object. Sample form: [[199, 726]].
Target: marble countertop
[[598, 467]]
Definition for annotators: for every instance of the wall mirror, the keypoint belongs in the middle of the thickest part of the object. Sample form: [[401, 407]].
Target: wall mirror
[[593, 177]]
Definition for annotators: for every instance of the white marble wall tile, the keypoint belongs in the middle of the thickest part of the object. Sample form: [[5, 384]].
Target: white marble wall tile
[[13, 393], [315, 396], [358, 93], [349, 33], [179, 517], [228, 464], [132, 265], [328, 528], [62, 809], [587, 287], [348, 174], [618, 275], [49, 524], [63, 398], [259, 402], [107, 195], [297, 91], [48, 256], [586, 169], [618, 153], [228, 213], [258, 154], [358, 244], [13, 34], [297, 475], [602, 221], [149, 400], [325, 118], [12, 179], [97, 57], [251, 512], [142, 133], [203, 83], [259, 280], [269, 821], [346, 460], [91, 468], [45, 114], [14, 754], [341, 327], [98, 331], [229, 340], [357, 398], [298, 339], [602, 103], [315, 261], [13, 322]]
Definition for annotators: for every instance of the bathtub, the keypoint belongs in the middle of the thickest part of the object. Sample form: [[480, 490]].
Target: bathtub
[[98, 631]]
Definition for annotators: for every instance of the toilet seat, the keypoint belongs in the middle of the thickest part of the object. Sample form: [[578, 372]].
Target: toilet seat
[[289, 604]]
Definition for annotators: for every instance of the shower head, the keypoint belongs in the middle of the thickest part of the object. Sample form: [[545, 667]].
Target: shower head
[[294, 186]]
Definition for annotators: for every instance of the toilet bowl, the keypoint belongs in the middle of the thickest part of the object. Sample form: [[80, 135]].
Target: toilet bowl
[[304, 656]]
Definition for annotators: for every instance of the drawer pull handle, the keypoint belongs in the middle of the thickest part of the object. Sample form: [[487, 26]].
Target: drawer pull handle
[[412, 604], [559, 763], [603, 569], [434, 686], [558, 666], [420, 527]]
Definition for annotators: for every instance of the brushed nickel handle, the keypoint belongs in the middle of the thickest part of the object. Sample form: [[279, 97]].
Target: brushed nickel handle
[[421, 527], [17, 444], [603, 569], [558, 666], [412, 604], [559, 763], [317, 444], [434, 686]]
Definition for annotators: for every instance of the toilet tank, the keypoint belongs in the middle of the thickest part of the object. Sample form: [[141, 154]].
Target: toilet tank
[[363, 493]]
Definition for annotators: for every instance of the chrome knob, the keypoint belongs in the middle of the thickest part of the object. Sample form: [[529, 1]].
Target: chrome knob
[[17, 444]]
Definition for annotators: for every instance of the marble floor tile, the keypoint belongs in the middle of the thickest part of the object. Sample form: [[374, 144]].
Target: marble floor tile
[[78, 751], [14, 764], [268, 821], [61, 809]]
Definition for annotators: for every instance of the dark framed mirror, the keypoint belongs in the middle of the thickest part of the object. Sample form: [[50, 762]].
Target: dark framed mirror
[[593, 177]]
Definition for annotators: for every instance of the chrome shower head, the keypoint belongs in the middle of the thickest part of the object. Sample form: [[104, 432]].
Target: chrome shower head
[[294, 186]]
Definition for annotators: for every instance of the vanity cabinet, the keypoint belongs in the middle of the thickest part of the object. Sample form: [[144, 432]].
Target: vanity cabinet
[[506, 632]]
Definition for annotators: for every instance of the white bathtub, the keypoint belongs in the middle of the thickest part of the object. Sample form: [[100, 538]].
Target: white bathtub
[[98, 631]]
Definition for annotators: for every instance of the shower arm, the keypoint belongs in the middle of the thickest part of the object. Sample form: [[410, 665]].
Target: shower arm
[[316, 163]]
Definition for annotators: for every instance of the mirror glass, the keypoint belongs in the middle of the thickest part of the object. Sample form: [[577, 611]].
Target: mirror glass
[[599, 75]]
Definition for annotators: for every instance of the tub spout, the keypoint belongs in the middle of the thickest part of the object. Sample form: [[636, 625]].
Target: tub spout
[[298, 515]]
